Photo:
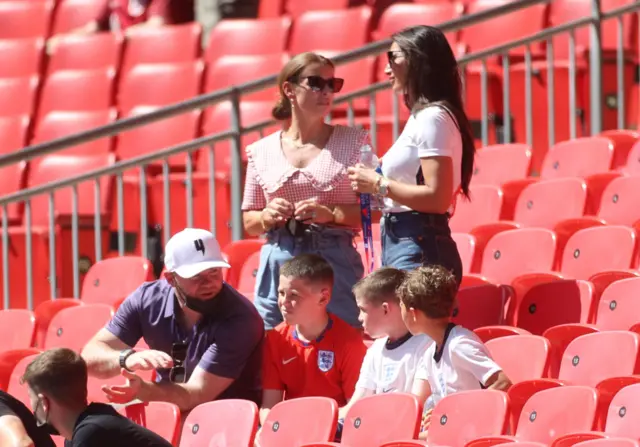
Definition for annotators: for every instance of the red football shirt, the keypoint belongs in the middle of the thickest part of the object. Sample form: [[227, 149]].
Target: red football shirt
[[328, 366], [121, 14]]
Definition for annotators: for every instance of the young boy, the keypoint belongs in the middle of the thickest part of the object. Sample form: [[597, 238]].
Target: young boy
[[393, 358], [311, 353], [458, 360]]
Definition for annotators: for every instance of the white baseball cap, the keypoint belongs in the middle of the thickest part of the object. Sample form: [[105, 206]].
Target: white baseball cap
[[192, 251]]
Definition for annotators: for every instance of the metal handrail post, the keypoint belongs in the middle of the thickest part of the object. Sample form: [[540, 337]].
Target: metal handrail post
[[595, 67]]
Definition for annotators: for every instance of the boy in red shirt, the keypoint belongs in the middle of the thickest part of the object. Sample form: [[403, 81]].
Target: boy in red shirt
[[311, 353]]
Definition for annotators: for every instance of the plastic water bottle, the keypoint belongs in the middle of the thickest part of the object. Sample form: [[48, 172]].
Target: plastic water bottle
[[370, 160]]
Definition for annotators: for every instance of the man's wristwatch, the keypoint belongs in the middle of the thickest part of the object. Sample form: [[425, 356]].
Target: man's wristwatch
[[124, 355]]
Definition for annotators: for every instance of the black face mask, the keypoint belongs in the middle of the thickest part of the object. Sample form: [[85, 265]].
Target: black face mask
[[205, 307], [45, 426]]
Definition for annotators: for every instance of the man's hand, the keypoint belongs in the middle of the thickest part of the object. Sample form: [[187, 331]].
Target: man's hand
[[148, 360], [426, 420], [122, 394]]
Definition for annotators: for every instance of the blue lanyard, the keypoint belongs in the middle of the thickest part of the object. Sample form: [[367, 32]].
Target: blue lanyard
[[367, 233]]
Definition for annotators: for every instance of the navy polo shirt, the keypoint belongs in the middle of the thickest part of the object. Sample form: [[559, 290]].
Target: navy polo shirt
[[227, 342]]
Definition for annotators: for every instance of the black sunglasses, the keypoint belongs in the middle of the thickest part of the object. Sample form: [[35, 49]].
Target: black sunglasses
[[178, 373], [391, 56], [318, 83]]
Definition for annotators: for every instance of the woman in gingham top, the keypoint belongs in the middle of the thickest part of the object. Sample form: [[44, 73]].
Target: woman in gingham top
[[297, 190]]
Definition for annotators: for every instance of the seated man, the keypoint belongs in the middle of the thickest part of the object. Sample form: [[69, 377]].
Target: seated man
[[18, 426], [57, 385], [392, 360], [205, 338], [458, 360], [311, 353]]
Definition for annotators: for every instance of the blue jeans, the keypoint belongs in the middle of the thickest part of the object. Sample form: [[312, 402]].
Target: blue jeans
[[412, 239], [336, 246]]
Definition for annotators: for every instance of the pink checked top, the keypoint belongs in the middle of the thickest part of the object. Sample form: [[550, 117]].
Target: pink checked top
[[270, 175]]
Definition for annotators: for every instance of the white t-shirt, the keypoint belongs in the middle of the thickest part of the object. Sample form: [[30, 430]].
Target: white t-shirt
[[388, 368], [465, 365], [431, 132]]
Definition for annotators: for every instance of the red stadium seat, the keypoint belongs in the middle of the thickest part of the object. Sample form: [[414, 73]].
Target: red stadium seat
[[13, 133], [480, 306], [159, 84], [238, 252], [56, 125], [17, 329], [288, 422], [632, 166], [619, 202], [44, 171], [73, 14], [60, 90], [589, 251], [235, 424], [73, 327], [25, 55], [578, 158], [487, 333], [248, 37], [234, 70], [45, 311], [13, 179], [15, 386], [349, 29], [619, 306], [466, 244], [164, 419], [457, 421], [297, 7], [167, 45], [495, 165], [18, 95], [86, 52], [483, 208], [115, 278], [25, 19], [508, 352], [248, 274]]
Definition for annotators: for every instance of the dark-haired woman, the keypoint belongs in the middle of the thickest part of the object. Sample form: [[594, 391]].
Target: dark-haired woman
[[431, 163], [297, 191]]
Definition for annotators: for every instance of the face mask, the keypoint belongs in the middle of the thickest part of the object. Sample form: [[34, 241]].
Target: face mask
[[43, 423]]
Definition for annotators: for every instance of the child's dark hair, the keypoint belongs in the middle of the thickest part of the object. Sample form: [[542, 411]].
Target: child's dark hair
[[380, 286], [310, 267], [431, 290]]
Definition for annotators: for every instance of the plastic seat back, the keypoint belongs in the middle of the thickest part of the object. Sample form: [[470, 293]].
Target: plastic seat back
[[349, 29], [554, 412], [17, 329], [632, 166], [591, 358], [619, 305], [25, 19], [111, 279], [73, 327], [502, 260], [248, 275], [589, 251], [61, 124], [162, 45], [618, 205], [623, 411], [13, 133], [15, 387], [456, 420], [235, 424], [238, 253], [579, 157], [159, 84], [72, 14], [483, 208], [163, 418], [501, 163], [297, 7], [545, 203], [480, 306], [248, 37], [86, 52], [17, 95], [507, 352], [466, 247], [554, 303], [25, 56], [288, 422]]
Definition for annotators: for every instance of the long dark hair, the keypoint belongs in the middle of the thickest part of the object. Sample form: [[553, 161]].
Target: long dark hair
[[433, 79]]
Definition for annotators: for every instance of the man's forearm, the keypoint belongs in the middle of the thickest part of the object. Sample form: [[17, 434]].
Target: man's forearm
[[103, 362]]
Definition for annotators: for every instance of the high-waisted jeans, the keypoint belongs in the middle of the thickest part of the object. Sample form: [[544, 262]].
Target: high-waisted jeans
[[334, 245], [413, 239]]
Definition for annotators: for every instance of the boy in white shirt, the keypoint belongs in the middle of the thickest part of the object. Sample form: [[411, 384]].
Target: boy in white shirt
[[392, 360], [458, 360]]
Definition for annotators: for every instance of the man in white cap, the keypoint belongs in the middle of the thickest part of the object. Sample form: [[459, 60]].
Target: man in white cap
[[205, 338]]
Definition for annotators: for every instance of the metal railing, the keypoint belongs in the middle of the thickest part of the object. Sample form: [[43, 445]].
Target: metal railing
[[234, 94]]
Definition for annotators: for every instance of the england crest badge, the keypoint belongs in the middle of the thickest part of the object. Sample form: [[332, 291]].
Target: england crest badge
[[325, 360]]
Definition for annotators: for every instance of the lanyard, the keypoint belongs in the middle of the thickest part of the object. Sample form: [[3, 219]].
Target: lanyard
[[367, 233]]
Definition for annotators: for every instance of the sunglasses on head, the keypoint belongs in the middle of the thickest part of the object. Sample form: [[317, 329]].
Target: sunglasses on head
[[178, 373], [318, 83]]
